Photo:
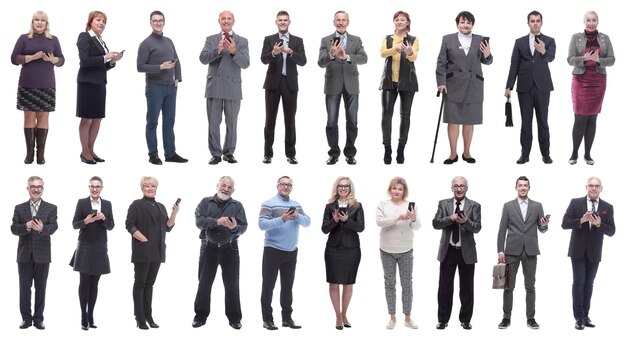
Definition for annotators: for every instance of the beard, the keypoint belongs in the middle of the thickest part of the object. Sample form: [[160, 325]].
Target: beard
[[223, 196]]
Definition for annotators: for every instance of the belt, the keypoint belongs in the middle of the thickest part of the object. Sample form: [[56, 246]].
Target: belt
[[455, 247], [221, 244]]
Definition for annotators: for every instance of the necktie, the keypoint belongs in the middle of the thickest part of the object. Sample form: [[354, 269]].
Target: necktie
[[455, 230], [593, 211], [285, 44], [225, 35], [33, 209]]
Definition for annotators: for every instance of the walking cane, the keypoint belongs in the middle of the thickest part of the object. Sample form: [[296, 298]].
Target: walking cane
[[443, 100]]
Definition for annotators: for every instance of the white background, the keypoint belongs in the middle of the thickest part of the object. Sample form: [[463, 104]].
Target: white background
[[491, 179]]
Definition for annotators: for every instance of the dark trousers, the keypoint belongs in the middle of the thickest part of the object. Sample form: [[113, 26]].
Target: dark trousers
[[145, 276], [539, 101], [584, 126], [388, 101], [87, 295], [227, 257], [161, 98], [529, 267], [30, 272], [584, 272], [351, 105], [274, 261], [290, 104], [447, 270]]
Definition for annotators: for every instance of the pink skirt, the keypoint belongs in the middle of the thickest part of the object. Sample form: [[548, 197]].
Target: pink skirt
[[588, 92]]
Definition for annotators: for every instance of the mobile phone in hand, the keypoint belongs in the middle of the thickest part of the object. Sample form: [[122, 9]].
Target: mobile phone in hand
[[94, 213], [177, 201], [537, 39], [35, 218], [461, 214], [592, 51], [336, 40], [280, 43], [412, 206], [291, 210], [343, 209], [485, 40]]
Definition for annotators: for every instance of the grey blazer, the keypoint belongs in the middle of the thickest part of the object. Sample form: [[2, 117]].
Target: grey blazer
[[577, 51], [339, 73], [442, 222], [515, 234], [224, 78], [461, 74]]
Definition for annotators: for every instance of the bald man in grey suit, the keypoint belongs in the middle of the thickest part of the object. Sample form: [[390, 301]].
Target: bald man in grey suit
[[518, 243]]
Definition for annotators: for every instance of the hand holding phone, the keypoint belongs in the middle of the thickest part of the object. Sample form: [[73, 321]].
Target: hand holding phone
[[537, 39], [592, 51], [177, 201], [291, 210], [412, 206], [485, 41], [336, 41], [94, 213]]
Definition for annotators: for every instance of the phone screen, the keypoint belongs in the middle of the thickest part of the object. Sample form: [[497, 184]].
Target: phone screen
[[411, 206], [94, 213], [336, 40], [177, 201], [485, 40]]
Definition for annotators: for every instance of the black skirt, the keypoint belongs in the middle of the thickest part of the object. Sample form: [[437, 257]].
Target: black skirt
[[39, 100], [342, 264], [91, 258], [91, 100]]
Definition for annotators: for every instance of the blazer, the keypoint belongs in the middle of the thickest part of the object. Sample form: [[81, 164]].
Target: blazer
[[34, 246], [343, 233], [92, 69], [96, 231], [530, 68], [224, 77], [515, 234], [275, 63], [442, 222], [461, 74], [141, 219], [577, 51], [584, 240], [338, 73]]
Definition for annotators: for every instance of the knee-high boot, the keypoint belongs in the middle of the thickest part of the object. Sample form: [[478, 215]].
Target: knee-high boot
[[387, 156], [41, 136], [29, 135]]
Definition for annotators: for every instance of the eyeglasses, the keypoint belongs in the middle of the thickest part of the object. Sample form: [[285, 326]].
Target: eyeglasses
[[284, 184], [459, 186], [157, 21], [594, 186], [34, 187], [343, 186], [95, 187]]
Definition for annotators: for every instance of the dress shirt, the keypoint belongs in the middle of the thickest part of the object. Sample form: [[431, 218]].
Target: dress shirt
[[466, 42]]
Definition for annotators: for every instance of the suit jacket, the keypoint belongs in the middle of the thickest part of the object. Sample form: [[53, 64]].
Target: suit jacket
[[530, 68], [577, 51], [339, 73], [34, 245], [224, 78], [343, 233], [515, 234], [442, 222], [275, 63], [141, 218], [461, 74], [96, 231], [586, 241], [92, 69]]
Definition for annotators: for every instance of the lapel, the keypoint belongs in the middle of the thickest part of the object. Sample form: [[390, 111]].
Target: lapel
[[94, 40], [518, 210]]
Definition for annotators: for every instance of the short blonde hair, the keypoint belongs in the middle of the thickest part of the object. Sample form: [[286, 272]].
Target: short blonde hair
[[591, 14], [398, 181], [148, 179], [46, 32]]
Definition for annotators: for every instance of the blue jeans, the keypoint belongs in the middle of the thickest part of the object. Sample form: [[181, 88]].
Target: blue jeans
[[161, 98], [584, 272]]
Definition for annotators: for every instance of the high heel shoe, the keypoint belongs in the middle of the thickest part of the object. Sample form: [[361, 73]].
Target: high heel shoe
[[339, 327], [151, 322], [142, 324], [87, 161], [97, 159], [451, 161], [589, 161], [347, 325]]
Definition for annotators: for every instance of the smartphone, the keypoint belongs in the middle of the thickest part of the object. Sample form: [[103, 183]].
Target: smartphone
[[461, 214], [485, 40], [547, 216], [280, 43], [122, 51], [336, 40], [174, 60], [35, 218], [405, 41], [177, 201], [412, 206], [592, 51], [291, 210], [537, 39], [343, 209], [94, 213]]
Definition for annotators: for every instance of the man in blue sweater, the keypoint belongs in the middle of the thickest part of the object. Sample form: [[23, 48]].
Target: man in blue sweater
[[280, 218]]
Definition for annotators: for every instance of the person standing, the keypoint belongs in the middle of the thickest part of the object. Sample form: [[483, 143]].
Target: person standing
[[458, 218], [518, 243], [590, 219], [221, 220], [280, 218], [529, 64], [34, 222], [158, 59], [282, 53], [38, 52], [339, 54], [226, 53]]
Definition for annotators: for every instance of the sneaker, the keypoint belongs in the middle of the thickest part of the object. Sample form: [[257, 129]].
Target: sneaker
[[154, 159], [532, 324], [176, 158], [506, 323], [391, 324], [410, 324]]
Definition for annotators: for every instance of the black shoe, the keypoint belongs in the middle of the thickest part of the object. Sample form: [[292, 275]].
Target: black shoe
[[215, 160], [441, 325], [235, 325], [572, 161], [269, 325], [91, 325], [351, 160], [89, 162], [506, 323], [292, 160], [589, 161], [347, 325], [197, 324], [580, 324], [39, 325], [154, 159], [229, 158], [466, 325], [468, 159], [84, 326], [267, 159], [176, 158], [522, 160], [289, 323], [26, 324], [151, 322], [547, 159], [332, 160], [97, 159], [451, 161], [532, 324], [339, 327], [142, 325], [587, 322]]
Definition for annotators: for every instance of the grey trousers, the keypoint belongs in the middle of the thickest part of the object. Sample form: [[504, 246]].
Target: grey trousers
[[529, 267], [404, 262], [214, 108]]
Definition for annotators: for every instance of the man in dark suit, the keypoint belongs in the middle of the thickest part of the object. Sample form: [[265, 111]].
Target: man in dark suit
[[590, 219], [518, 243], [340, 53], [282, 52], [529, 64], [226, 53], [458, 218], [33, 221]]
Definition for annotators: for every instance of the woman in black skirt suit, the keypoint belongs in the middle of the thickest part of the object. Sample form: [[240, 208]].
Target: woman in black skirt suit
[[93, 218], [95, 61], [343, 219]]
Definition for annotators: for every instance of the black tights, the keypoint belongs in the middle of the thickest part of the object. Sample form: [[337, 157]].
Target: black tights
[[87, 295], [584, 126]]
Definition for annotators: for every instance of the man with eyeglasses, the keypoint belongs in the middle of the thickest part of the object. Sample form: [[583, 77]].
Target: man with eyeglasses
[[458, 218], [590, 219], [34, 222], [280, 218], [158, 59]]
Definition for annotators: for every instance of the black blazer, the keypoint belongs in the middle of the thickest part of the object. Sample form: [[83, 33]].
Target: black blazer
[[275, 63], [34, 245], [340, 233], [529, 68], [151, 221], [92, 69], [583, 239], [96, 231]]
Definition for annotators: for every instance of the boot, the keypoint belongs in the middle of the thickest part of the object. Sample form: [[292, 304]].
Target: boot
[[29, 134], [41, 136], [387, 157], [400, 156]]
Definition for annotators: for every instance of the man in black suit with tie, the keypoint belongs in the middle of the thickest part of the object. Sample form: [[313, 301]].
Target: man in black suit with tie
[[33, 221], [529, 64], [282, 52], [590, 219]]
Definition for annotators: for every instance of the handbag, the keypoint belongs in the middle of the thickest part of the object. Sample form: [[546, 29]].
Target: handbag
[[501, 276], [508, 112]]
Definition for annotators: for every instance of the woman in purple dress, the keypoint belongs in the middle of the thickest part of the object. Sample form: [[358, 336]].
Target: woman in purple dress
[[38, 52], [590, 53]]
